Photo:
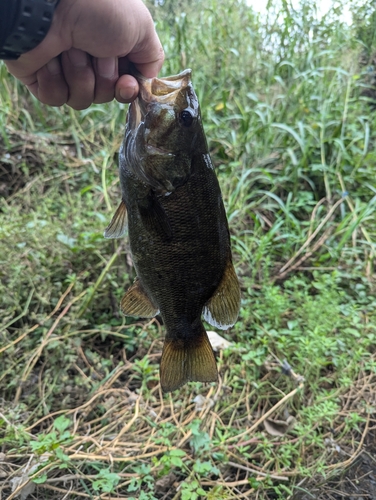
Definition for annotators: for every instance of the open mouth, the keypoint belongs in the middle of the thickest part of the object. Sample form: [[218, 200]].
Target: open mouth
[[161, 90]]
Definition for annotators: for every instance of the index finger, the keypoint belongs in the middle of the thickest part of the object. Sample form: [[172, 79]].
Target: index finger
[[148, 55]]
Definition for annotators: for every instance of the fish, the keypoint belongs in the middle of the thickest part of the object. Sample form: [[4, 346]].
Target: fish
[[173, 211]]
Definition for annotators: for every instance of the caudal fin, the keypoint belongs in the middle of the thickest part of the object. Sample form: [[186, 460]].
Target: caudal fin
[[184, 361]]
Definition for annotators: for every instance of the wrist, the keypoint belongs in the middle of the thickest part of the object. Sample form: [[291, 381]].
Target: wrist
[[30, 25]]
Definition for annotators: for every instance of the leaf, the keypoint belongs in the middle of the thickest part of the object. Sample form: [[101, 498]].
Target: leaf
[[66, 240], [61, 455], [279, 427], [200, 439], [202, 467], [178, 462], [186, 495], [252, 96], [62, 423], [41, 479], [106, 481], [65, 436], [142, 469], [134, 484], [177, 453], [292, 132]]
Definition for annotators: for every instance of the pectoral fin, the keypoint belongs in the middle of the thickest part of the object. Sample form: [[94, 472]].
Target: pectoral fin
[[137, 303], [118, 224], [187, 361], [154, 217], [222, 308]]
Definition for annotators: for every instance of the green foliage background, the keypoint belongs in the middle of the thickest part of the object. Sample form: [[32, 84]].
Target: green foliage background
[[292, 136]]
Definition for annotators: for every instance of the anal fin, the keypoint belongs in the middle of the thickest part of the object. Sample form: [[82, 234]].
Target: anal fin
[[184, 361], [136, 302], [118, 225], [222, 308]]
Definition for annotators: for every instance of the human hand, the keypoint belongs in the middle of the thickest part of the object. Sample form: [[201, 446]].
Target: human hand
[[86, 52]]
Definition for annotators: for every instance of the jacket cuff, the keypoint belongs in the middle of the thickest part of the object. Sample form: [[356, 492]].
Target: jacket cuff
[[30, 25]]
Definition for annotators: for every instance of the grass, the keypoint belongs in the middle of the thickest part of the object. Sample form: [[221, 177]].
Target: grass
[[291, 134]]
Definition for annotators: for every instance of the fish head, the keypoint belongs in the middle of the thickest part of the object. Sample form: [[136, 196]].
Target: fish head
[[164, 132]]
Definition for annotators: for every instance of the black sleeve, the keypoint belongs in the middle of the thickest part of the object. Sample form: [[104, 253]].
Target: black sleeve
[[8, 15], [23, 25]]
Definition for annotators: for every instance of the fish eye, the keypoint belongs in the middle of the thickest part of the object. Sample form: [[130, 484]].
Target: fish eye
[[186, 118]]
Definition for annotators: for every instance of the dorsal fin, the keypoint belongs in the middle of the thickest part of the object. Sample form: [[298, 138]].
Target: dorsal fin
[[118, 225], [136, 302], [222, 308]]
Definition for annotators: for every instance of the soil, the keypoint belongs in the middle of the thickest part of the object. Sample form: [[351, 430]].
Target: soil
[[356, 483]]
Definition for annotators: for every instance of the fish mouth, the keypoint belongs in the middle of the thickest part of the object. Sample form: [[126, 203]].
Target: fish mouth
[[166, 91], [158, 144], [163, 90]]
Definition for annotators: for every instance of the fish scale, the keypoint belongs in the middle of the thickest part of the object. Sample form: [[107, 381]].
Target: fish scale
[[177, 228], [182, 260]]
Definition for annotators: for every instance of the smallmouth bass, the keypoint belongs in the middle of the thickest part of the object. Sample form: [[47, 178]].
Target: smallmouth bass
[[177, 226]]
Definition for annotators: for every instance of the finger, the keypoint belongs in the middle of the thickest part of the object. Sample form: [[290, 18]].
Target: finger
[[80, 78], [148, 55], [50, 86], [126, 89], [106, 75], [150, 69]]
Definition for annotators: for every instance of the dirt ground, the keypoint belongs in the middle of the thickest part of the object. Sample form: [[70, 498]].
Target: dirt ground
[[356, 483]]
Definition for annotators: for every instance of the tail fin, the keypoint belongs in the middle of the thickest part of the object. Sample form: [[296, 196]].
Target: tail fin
[[187, 360]]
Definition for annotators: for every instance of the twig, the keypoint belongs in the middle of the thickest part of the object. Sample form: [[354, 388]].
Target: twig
[[307, 255], [355, 455], [108, 458], [91, 294], [313, 235], [34, 358], [126, 427], [352, 209], [225, 483], [258, 473], [26, 308], [268, 413], [57, 307], [30, 478], [313, 215], [60, 490]]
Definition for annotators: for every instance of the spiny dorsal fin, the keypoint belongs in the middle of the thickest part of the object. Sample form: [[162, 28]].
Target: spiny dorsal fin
[[118, 224], [183, 362], [137, 303], [222, 308]]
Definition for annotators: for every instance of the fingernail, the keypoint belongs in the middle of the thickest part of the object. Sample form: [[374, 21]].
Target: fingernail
[[106, 67], [78, 57], [127, 93], [53, 66]]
